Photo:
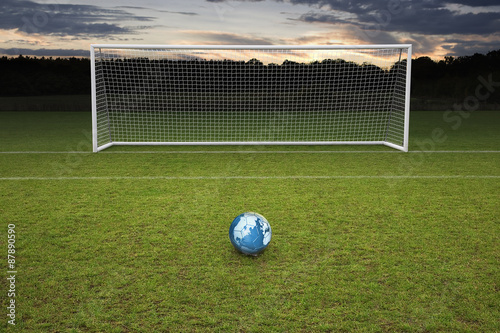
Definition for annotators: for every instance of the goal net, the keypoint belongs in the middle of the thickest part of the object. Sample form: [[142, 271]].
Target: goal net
[[240, 95]]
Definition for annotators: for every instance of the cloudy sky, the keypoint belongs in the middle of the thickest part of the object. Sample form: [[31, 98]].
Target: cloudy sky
[[66, 28]]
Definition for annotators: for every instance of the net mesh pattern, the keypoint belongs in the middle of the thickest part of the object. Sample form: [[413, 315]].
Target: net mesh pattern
[[254, 96]]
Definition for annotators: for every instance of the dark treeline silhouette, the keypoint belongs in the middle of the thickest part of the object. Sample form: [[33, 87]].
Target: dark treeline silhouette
[[452, 79], [32, 76], [139, 75], [456, 79], [223, 85]]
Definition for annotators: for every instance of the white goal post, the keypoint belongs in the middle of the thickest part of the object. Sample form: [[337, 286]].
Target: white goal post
[[250, 95]]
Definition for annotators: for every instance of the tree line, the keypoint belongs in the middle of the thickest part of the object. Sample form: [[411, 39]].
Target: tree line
[[32, 76], [451, 79], [456, 78], [146, 76]]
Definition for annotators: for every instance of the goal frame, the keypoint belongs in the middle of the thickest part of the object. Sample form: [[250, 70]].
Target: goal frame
[[403, 147]]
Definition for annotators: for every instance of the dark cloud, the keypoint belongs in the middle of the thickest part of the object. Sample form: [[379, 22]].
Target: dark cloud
[[179, 13], [379, 4], [434, 17], [161, 11], [45, 52], [475, 3], [238, 0], [66, 20], [427, 17], [432, 22], [425, 24], [217, 37], [461, 47]]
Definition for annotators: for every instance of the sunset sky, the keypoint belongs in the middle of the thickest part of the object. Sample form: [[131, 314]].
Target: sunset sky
[[66, 28]]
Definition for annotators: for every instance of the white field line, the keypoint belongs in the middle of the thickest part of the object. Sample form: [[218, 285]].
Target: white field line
[[461, 177], [262, 152]]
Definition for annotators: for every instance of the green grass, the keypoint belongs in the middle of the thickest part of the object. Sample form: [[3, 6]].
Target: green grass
[[129, 242], [227, 126], [46, 103]]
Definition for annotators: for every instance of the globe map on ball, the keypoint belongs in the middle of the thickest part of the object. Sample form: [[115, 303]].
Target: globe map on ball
[[250, 233]]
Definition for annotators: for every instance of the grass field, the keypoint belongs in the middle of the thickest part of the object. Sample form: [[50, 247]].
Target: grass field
[[134, 239], [45, 103]]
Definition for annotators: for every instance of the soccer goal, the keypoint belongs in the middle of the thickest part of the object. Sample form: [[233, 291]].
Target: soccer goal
[[250, 95]]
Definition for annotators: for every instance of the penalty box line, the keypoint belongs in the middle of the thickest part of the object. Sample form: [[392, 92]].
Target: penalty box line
[[252, 177]]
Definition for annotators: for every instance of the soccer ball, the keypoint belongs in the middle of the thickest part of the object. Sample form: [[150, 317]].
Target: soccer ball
[[250, 233]]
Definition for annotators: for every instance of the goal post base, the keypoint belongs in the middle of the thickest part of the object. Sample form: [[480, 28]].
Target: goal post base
[[392, 145], [97, 149], [257, 143]]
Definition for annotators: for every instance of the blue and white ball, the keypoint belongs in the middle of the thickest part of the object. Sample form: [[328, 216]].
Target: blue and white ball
[[250, 233]]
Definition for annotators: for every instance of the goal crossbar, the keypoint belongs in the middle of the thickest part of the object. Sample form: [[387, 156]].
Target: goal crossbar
[[250, 47], [250, 95]]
